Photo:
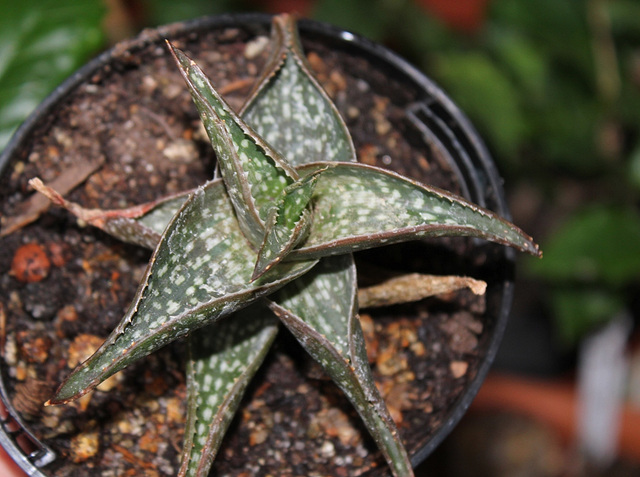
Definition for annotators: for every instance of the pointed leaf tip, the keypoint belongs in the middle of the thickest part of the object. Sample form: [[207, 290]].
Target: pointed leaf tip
[[253, 172], [290, 109]]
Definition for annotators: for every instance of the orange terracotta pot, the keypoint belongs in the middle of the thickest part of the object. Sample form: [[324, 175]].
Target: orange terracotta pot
[[553, 403]]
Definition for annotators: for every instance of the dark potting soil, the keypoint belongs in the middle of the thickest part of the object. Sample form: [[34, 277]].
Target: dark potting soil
[[64, 287]]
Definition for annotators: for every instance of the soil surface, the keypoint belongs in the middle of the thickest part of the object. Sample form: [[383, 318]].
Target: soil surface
[[64, 287]]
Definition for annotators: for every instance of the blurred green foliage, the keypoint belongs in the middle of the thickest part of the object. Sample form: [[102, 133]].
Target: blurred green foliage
[[590, 263], [553, 87], [598, 245], [41, 43]]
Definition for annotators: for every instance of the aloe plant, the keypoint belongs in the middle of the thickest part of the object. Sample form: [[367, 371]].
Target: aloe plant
[[269, 239]]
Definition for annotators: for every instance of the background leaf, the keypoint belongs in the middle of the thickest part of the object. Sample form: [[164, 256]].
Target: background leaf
[[43, 41], [579, 310], [484, 91], [599, 245]]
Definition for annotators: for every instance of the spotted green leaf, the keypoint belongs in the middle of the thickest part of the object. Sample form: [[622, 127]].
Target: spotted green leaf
[[200, 271], [291, 111], [222, 360], [253, 172], [358, 206], [323, 317]]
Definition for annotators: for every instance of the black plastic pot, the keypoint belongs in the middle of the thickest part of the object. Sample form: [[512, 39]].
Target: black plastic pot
[[431, 119]]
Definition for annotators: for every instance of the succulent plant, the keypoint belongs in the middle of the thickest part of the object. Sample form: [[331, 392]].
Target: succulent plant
[[270, 238]]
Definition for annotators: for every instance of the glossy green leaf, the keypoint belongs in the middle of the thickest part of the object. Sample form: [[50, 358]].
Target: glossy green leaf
[[41, 43], [486, 93], [578, 311], [253, 172], [200, 271], [597, 245], [320, 309], [223, 359], [291, 111], [358, 206]]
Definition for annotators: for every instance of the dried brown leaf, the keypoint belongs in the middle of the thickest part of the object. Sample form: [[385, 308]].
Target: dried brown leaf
[[414, 287]]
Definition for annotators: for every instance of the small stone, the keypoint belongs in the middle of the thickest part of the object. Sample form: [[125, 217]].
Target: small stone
[[150, 441], [461, 339], [317, 64], [328, 449], [396, 414], [124, 426], [18, 169], [383, 127], [84, 446], [110, 383], [180, 150], [258, 435], [30, 263], [175, 411], [21, 371], [353, 112], [458, 368], [149, 84], [63, 138], [35, 349], [51, 417], [391, 361], [335, 423], [83, 346], [10, 351], [338, 80], [68, 313], [368, 154], [255, 47], [418, 349]]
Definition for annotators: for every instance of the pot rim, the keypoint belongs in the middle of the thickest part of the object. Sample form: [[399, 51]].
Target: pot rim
[[435, 110]]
